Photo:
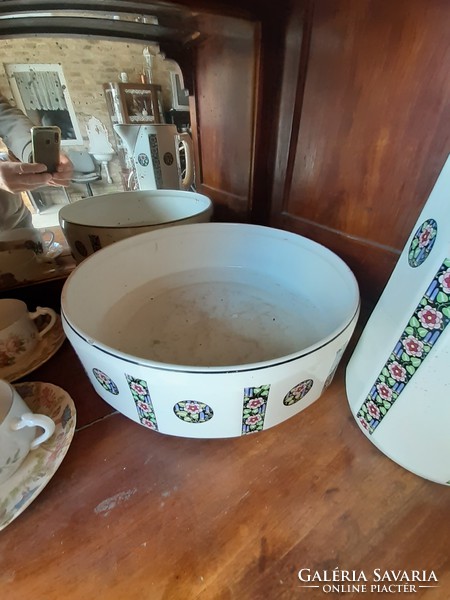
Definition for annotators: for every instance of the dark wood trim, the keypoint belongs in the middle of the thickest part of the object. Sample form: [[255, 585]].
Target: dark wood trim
[[195, 133], [18, 6], [267, 103], [86, 26], [295, 64], [180, 9], [227, 206]]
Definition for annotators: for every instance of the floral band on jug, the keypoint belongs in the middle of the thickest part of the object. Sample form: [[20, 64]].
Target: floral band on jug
[[422, 331]]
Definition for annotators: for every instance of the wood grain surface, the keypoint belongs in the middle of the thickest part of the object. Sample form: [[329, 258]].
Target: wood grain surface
[[362, 130], [133, 514]]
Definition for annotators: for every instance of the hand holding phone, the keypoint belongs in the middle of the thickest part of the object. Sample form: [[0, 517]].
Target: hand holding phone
[[46, 146]]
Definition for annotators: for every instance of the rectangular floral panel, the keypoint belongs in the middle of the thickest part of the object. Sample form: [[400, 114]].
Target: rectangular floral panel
[[254, 408], [144, 406]]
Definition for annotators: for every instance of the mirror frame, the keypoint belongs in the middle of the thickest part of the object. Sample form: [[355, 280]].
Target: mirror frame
[[113, 18]]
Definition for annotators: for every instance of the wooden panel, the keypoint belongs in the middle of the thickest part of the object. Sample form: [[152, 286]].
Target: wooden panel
[[225, 76], [369, 124]]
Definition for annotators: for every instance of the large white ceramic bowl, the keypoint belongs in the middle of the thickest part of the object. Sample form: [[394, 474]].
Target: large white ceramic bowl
[[95, 222], [213, 329]]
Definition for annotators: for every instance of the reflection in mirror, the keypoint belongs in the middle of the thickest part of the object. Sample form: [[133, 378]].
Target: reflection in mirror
[[145, 84], [217, 54]]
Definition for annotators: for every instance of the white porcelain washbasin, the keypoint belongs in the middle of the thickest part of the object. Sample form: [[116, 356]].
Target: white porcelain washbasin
[[211, 329]]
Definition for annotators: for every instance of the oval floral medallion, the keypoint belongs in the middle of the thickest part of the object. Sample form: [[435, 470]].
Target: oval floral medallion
[[106, 382], [191, 411], [422, 243], [298, 392]]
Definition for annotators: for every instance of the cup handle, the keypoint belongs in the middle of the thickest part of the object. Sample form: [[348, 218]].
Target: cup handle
[[49, 242], [32, 420], [186, 140], [40, 310]]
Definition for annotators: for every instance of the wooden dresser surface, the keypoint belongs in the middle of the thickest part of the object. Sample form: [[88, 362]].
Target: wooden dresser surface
[[132, 514]]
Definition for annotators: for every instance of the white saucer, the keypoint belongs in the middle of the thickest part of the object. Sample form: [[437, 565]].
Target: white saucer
[[45, 349], [41, 464]]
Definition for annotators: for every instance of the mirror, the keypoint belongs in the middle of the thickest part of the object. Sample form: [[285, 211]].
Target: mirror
[[87, 50]]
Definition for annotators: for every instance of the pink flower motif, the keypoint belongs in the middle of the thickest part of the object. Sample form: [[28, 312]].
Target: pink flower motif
[[299, 390], [143, 406], [364, 423], [444, 280], [148, 424], [373, 409], [425, 236], [13, 345], [384, 391], [5, 359], [253, 419], [397, 371], [430, 318], [255, 403], [413, 346], [193, 407], [138, 388]]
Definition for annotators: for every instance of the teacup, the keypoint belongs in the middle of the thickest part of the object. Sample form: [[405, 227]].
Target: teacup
[[18, 266], [18, 430], [22, 252], [19, 334]]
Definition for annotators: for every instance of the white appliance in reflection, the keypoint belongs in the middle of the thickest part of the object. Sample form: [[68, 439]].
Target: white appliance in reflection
[[162, 158]]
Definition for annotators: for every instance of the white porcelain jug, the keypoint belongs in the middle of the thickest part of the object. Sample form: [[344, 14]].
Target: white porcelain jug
[[398, 378], [155, 152]]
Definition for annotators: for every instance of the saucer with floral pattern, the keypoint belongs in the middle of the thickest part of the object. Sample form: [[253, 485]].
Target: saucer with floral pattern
[[47, 346], [19, 491]]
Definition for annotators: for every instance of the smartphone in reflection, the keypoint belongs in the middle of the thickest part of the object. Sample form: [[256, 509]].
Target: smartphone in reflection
[[46, 146]]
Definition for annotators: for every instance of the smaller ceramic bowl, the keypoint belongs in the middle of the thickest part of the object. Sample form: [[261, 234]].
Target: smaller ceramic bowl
[[95, 222]]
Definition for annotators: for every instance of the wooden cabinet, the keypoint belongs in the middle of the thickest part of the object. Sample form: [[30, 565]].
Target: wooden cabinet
[[329, 119], [223, 116], [363, 127]]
